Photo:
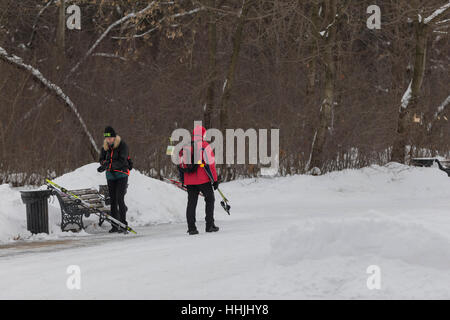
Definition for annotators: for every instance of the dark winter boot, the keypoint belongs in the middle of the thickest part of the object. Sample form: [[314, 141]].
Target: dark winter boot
[[212, 228], [192, 231], [113, 230]]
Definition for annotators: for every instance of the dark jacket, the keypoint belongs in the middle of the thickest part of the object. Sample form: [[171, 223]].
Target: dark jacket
[[115, 158]]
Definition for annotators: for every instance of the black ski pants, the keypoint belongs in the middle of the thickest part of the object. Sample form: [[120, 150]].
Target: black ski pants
[[117, 189], [193, 192]]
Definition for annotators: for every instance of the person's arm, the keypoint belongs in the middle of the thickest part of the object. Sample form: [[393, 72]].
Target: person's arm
[[210, 165], [102, 161], [102, 157]]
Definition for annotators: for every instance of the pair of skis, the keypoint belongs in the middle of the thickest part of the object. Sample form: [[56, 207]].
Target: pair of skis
[[179, 185], [87, 205], [223, 203]]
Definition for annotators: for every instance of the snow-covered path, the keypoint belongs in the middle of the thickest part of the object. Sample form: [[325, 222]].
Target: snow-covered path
[[287, 238], [161, 262]]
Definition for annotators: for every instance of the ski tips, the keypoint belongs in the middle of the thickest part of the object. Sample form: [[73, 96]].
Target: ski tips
[[225, 206]]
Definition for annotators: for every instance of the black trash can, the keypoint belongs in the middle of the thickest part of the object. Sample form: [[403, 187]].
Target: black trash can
[[37, 210]]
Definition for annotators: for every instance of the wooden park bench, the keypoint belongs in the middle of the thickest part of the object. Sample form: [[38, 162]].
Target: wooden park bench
[[428, 162], [72, 213]]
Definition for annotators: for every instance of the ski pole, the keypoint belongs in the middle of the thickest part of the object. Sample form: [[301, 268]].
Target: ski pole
[[224, 203], [223, 196]]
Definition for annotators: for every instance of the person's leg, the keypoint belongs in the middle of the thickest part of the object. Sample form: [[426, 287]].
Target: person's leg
[[121, 190], [208, 192], [191, 206], [112, 189]]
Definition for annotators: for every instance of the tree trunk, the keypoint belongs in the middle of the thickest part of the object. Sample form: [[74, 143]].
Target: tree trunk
[[212, 50], [315, 38], [225, 169], [409, 101], [228, 85], [322, 131], [60, 35]]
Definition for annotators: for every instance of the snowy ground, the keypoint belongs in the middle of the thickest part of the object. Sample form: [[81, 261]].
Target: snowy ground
[[287, 238]]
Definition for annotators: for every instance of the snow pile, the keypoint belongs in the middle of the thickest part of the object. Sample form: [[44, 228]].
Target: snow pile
[[393, 181], [387, 238], [12, 219], [149, 201]]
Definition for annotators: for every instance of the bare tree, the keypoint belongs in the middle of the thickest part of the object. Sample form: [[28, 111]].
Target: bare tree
[[409, 103], [329, 9]]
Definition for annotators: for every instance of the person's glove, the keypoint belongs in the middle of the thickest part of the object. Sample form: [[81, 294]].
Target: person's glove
[[215, 185], [101, 168], [105, 163]]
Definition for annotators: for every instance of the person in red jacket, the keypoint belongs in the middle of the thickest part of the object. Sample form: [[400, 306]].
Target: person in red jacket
[[202, 178]]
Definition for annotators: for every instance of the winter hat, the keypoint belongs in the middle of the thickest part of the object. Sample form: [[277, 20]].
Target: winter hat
[[199, 131], [109, 132]]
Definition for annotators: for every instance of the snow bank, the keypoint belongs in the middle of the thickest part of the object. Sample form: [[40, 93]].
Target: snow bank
[[392, 181], [390, 212], [149, 201], [387, 238], [12, 219]]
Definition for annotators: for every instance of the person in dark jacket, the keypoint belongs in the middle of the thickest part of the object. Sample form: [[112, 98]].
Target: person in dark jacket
[[203, 180], [446, 170], [114, 160]]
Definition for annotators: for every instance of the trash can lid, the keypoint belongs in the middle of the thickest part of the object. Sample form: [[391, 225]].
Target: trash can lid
[[35, 195]]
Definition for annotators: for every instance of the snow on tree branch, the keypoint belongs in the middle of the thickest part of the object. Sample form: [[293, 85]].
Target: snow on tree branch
[[443, 21], [440, 110], [18, 62], [437, 13], [442, 106], [407, 96], [109, 55], [105, 33]]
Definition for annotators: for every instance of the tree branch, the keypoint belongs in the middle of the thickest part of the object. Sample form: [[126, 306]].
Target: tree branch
[[53, 88], [105, 33], [437, 13], [159, 22], [33, 32], [440, 110]]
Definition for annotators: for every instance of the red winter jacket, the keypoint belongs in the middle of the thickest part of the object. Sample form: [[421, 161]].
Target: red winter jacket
[[200, 176]]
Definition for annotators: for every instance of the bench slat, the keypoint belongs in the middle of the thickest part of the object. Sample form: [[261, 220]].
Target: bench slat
[[89, 197], [84, 191]]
